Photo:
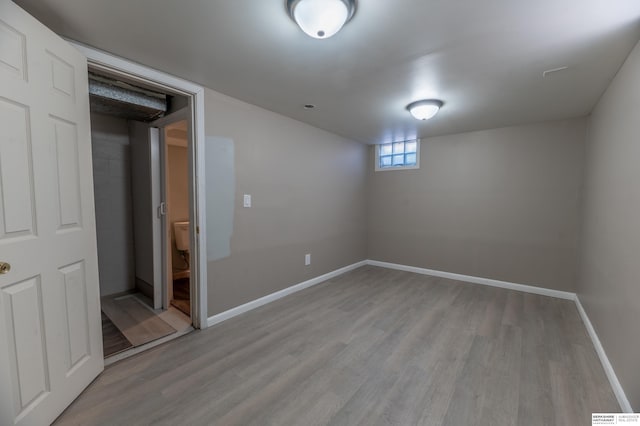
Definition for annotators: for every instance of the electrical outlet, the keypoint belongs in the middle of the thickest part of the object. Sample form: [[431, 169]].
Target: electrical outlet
[[247, 200], [307, 259]]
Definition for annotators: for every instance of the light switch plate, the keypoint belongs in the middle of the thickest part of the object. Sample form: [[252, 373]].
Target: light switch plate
[[247, 200]]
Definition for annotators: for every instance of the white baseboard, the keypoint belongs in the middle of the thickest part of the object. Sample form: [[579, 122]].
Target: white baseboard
[[317, 280], [477, 280], [611, 375], [608, 368], [223, 316]]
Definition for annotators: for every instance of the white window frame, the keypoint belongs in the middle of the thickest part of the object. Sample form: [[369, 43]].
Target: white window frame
[[384, 169]]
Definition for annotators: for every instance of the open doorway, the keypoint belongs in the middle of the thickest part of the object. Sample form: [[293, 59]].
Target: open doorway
[[141, 194], [176, 136]]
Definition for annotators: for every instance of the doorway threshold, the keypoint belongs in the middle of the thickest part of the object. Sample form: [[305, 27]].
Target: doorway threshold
[[134, 351], [140, 325]]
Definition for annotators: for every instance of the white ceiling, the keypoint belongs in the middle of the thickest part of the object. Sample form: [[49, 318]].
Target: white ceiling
[[483, 58]]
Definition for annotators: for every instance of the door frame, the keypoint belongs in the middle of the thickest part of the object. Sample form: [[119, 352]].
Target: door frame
[[98, 59], [157, 197], [165, 265]]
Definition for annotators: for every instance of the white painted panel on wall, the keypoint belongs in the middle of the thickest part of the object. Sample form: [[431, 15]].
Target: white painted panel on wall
[[221, 189], [16, 170], [22, 303]]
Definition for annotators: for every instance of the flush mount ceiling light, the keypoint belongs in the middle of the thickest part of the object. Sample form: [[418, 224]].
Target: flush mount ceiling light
[[425, 109], [321, 18]]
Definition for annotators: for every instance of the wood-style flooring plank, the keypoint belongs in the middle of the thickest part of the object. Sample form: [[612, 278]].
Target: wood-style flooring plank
[[113, 341], [373, 346], [138, 324]]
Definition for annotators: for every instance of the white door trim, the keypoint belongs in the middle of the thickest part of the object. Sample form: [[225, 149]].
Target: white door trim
[[155, 143], [166, 267], [195, 92]]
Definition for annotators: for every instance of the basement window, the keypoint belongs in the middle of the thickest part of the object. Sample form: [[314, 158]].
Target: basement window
[[398, 155]]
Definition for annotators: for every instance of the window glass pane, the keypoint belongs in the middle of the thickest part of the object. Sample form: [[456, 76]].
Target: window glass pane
[[385, 149], [385, 161], [397, 155]]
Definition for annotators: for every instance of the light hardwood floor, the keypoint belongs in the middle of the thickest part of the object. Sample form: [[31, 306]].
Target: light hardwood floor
[[373, 346]]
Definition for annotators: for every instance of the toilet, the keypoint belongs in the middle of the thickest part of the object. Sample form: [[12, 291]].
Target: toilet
[[181, 232]]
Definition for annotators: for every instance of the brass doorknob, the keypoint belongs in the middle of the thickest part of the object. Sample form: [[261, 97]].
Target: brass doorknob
[[4, 267]]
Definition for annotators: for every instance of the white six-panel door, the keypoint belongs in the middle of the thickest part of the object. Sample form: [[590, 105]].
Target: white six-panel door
[[50, 332]]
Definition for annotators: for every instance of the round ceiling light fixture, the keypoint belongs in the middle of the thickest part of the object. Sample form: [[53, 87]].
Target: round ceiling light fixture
[[321, 18], [425, 109]]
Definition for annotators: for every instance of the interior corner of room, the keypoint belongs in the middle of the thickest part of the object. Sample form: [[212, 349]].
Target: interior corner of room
[[511, 205]]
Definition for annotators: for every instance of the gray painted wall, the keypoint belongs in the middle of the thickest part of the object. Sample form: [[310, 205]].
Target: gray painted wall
[[112, 183], [143, 212], [308, 189], [501, 203], [609, 287]]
